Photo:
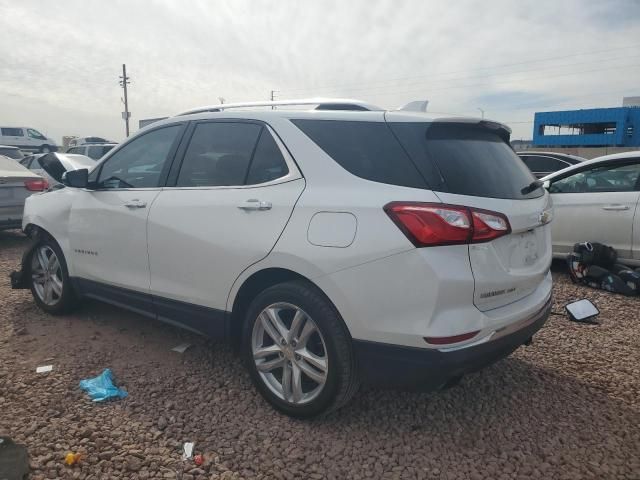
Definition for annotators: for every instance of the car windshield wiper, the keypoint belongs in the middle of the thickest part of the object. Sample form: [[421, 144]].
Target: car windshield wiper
[[531, 187]]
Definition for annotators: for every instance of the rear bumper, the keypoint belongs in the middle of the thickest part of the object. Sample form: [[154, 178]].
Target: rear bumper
[[394, 366]]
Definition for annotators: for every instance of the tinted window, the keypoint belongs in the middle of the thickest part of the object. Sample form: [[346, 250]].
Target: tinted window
[[543, 164], [367, 149], [139, 163], [466, 159], [12, 132], [79, 150], [620, 178], [267, 163], [218, 154], [26, 161]]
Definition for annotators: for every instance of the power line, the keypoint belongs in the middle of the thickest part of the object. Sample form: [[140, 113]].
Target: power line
[[594, 52], [506, 82], [550, 67]]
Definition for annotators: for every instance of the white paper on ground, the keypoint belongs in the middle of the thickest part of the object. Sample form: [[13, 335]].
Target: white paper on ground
[[44, 369], [181, 348], [187, 450]]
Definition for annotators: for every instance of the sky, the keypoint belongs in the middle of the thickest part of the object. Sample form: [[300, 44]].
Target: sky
[[61, 60]]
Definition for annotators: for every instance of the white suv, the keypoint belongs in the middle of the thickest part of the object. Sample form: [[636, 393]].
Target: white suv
[[335, 246]]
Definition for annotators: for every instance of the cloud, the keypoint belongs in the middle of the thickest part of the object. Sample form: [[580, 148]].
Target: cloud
[[62, 60]]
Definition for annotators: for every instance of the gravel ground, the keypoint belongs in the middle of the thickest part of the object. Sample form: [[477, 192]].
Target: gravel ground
[[567, 407]]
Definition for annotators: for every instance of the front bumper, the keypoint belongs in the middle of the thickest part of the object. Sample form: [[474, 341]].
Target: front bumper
[[423, 369]]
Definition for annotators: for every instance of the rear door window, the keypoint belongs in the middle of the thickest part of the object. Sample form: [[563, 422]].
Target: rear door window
[[368, 150], [219, 154], [466, 159], [268, 163]]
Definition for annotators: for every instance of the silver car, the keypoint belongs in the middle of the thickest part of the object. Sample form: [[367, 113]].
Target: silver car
[[16, 184]]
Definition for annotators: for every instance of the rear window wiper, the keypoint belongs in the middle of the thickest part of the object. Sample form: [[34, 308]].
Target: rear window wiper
[[531, 187]]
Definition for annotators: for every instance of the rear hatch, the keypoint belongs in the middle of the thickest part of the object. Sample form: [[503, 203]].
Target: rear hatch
[[470, 163]]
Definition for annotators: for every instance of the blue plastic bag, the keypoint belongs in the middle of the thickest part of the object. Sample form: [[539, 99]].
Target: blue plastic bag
[[101, 387]]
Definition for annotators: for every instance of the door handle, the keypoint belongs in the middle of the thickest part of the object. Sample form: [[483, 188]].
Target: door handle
[[616, 207], [135, 204], [255, 204]]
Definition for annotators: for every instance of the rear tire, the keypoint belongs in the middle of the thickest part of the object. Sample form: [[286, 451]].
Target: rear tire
[[298, 350], [49, 278]]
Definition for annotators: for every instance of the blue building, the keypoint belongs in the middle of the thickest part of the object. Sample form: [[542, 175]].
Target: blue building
[[595, 127]]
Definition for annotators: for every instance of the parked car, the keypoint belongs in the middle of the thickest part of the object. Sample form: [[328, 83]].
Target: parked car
[[74, 142], [542, 164], [51, 166], [331, 247], [597, 201], [11, 152], [92, 150], [28, 139], [16, 184]]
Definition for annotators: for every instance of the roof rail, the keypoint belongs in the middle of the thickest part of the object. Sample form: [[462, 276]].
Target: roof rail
[[322, 104]]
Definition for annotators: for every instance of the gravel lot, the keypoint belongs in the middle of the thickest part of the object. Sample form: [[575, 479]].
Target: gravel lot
[[568, 407]]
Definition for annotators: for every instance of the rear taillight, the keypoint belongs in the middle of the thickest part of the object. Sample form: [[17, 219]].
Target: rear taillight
[[433, 224], [36, 185]]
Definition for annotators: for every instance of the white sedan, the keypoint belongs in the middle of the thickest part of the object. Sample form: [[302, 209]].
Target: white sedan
[[596, 201]]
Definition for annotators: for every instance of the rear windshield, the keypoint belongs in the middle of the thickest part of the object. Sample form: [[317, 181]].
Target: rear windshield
[[448, 157], [12, 153]]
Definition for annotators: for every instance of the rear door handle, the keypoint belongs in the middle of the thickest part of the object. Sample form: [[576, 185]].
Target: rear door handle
[[255, 204], [616, 207], [135, 204]]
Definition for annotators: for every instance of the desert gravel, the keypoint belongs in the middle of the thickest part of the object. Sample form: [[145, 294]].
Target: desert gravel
[[565, 408]]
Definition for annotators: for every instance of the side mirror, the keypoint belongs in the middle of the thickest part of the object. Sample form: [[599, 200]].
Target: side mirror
[[582, 311], [76, 178]]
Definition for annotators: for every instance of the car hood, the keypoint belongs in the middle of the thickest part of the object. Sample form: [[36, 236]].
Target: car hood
[[56, 164]]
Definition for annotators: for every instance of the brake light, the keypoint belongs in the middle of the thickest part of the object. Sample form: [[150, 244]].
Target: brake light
[[435, 224], [36, 185]]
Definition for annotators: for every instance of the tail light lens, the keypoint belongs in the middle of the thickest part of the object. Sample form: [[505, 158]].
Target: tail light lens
[[36, 185], [434, 224]]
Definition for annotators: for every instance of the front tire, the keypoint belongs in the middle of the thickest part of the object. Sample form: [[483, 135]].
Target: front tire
[[45, 149], [298, 350], [49, 278]]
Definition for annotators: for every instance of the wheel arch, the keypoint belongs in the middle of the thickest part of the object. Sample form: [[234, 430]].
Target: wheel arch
[[252, 286]]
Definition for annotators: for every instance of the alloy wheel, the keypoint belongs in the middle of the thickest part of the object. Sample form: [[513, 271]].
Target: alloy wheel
[[46, 274], [290, 353]]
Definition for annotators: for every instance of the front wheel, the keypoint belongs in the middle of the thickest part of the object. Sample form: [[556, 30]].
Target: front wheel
[[298, 350], [45, 149], [49, 278]]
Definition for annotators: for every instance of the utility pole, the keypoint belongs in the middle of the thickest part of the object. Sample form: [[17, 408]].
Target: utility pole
[[124, 81], [481, 111], [273, 97]]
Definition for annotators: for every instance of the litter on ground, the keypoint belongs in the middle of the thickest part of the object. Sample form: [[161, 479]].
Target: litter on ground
[[101, 387], [44, 369], [181, 348]]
